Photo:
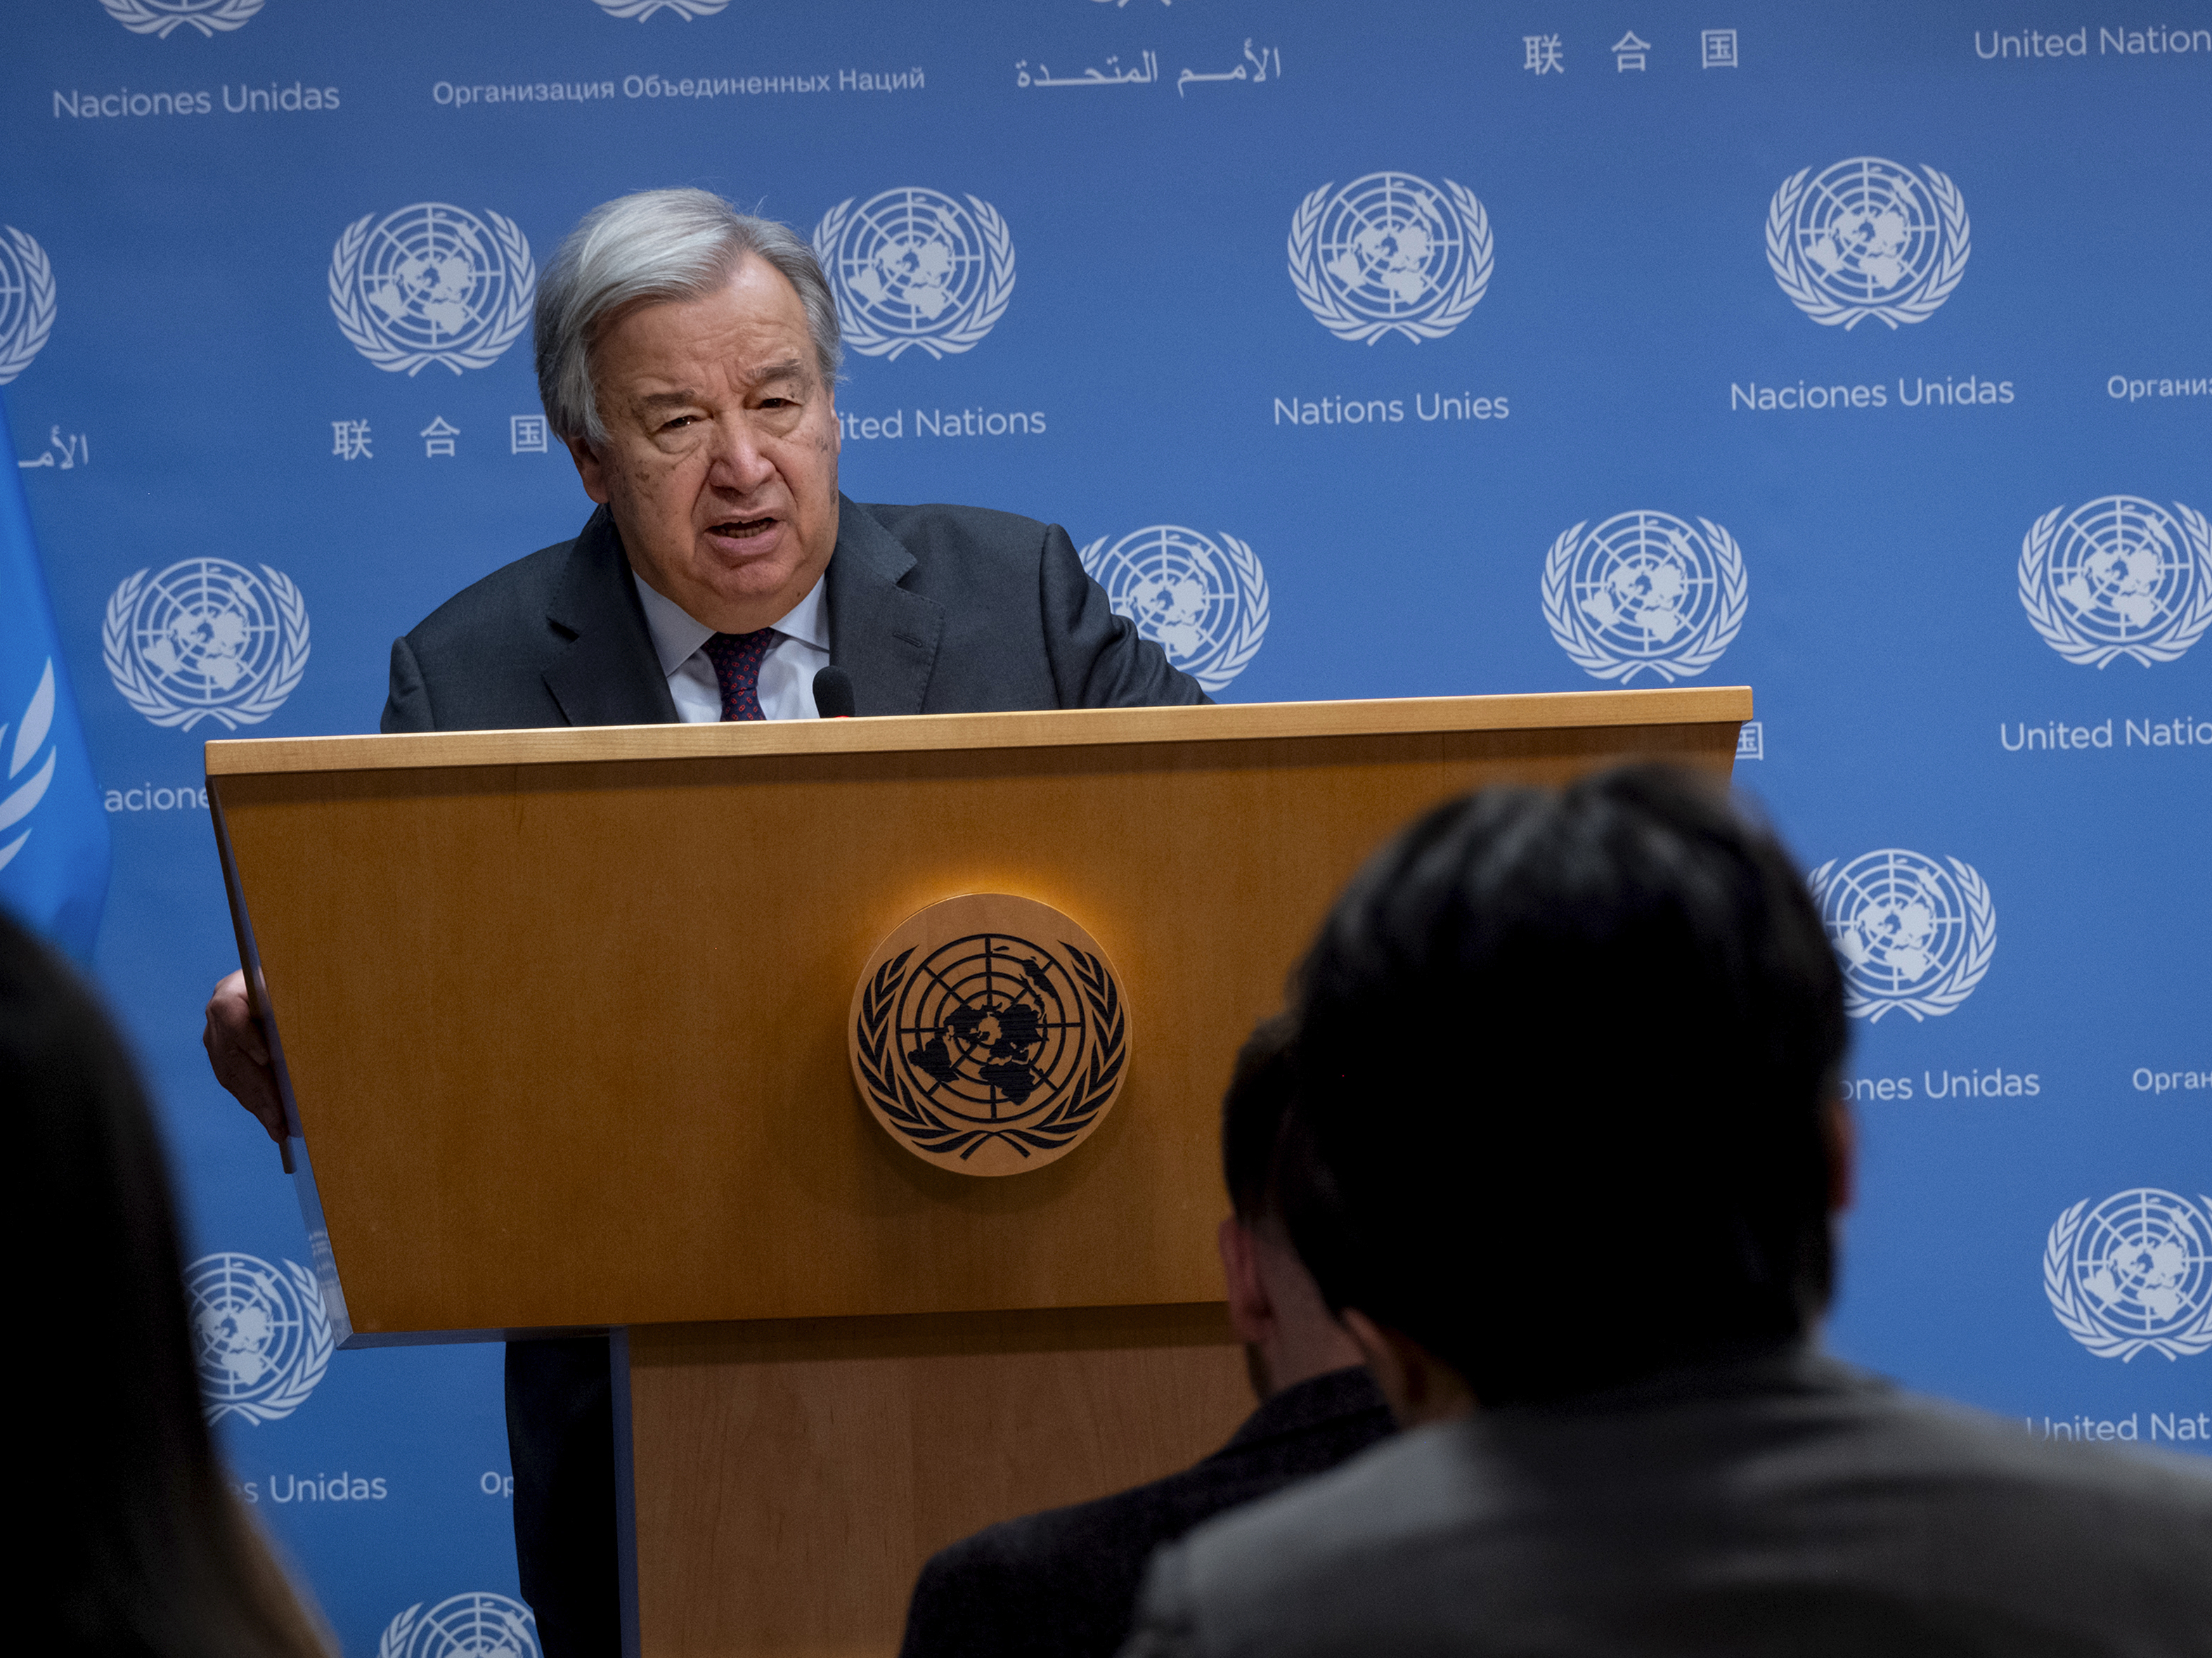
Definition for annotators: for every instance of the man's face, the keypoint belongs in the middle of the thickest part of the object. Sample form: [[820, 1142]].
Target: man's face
[[720, 462]]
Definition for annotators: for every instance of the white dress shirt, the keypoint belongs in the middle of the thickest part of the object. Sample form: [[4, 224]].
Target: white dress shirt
[[787, 672]]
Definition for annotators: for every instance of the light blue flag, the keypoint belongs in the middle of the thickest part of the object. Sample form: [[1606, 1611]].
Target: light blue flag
[[53, 829]]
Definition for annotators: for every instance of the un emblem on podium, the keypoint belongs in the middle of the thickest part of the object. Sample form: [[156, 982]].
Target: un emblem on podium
[[989, 1035]]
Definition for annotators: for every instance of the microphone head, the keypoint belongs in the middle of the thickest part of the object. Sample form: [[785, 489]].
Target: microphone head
[[833, 693]]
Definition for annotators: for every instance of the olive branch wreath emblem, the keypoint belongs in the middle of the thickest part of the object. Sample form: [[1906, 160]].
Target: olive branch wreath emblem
[[29, 334], [497, 333], [908, 1112], [1215, 672], [1787, 259], [2045, 617], [641, 9], [964, 335], [2078, 1322], [400, 1634], [31, 733], [144, 695], [142, 18], [1973, 962], [303, 1373], [1330, 310], [1586, 652]]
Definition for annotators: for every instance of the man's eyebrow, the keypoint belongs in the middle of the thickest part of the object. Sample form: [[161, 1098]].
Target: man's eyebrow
[[788, 369]]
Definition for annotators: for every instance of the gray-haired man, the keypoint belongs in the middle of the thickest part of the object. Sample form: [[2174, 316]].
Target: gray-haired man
[[687, 354]]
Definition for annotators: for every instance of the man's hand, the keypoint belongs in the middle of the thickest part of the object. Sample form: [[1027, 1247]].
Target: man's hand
[[238, 1049]]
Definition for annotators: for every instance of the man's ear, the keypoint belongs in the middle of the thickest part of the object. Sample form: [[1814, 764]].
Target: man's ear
[[1251, 1313], [588, 469]]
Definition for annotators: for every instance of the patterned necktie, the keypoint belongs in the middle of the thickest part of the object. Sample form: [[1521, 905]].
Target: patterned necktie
[[736, 659]]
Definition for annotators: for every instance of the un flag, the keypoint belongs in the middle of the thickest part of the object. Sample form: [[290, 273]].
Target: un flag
[[53, 830]]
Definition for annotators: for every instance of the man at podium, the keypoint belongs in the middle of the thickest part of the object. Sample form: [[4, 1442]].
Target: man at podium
[[687, 354]]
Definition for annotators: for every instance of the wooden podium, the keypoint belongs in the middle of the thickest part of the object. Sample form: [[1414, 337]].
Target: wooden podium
[[560, 1018]]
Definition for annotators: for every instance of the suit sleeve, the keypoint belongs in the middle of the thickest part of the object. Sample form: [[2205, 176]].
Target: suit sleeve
[[1099, 660], [407, 705]]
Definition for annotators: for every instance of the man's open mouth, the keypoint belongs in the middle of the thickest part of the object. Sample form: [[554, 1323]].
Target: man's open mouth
[[739, 528]]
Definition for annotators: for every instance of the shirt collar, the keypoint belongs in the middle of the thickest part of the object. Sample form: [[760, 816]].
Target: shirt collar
[[678, 634]]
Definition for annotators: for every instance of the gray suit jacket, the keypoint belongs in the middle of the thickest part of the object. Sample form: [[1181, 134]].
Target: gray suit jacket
[[933, 609], [1785, 1504]]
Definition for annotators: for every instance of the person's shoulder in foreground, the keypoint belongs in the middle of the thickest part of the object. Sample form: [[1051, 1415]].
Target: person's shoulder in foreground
[[1791, 1505], [1060, 1584]]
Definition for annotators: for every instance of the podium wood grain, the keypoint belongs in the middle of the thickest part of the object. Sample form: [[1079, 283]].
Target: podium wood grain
[[561, 1014], [832, 1457]]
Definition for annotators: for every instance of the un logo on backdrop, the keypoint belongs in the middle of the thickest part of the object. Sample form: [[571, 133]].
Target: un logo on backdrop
[[161, 17], [2134, 1272], [20, 799], [1645, 590], [1912, 934], [2121, 576], [641, 9], [914, 268], [206, 640], [261, 1336], [431, 283], [1391, 254], [1203, 601], [1868, 238], [482, 1625], [27, 300]]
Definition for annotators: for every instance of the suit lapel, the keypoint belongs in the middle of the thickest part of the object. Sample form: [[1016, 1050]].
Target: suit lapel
[[883, 636], [610, 675]]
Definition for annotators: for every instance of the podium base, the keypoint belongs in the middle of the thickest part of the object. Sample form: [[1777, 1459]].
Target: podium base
[[790, 1477]]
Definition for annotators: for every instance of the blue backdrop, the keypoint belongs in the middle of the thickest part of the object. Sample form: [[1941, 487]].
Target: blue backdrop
[[1862, 353]]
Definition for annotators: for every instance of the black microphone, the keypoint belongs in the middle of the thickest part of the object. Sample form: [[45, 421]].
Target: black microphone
[[833, 693]]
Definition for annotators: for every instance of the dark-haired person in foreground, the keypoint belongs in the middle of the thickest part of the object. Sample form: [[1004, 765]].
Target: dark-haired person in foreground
[[1062, 1584], [135, 1546], [1564, 1157]]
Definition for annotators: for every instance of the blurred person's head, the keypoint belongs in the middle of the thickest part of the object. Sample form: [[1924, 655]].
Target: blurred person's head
[[1567, 1108], [135, 1546], [1288, 1333]]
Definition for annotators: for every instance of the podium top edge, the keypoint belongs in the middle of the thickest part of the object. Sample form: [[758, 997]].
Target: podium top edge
[[1056, 728]]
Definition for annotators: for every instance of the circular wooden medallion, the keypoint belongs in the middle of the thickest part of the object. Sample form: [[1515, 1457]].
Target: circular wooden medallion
[[989, 1035]]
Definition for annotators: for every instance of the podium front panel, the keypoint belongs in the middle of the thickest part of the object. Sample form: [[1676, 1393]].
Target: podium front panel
[[563, 1013]]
